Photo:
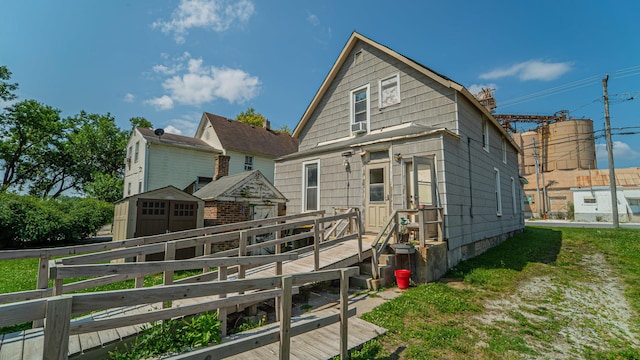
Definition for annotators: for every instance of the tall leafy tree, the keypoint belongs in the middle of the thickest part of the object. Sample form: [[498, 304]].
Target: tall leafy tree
[[6, 88], [250, 116], [139, 121], [30, 136]]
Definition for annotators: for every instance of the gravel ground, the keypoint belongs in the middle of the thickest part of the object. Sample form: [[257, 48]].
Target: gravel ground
[[577, 318]]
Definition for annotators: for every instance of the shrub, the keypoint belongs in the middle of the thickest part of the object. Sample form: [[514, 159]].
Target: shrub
[[27, 221]]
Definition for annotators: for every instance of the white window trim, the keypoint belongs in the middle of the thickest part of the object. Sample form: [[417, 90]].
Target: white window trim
[[353, 106], [249, 164], [485, 134], [513, 196], [498, 192], [504, 150], [303, 203], [397, 76]]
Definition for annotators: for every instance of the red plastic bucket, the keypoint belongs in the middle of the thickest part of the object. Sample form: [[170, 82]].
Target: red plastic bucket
[[403, 278]]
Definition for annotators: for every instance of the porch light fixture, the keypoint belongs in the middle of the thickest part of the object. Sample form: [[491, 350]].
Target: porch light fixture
[[397, 156]]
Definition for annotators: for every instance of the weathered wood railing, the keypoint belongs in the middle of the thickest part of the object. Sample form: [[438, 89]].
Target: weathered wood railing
[[129, 246], [59, 272], [59, 310], [390, 232]]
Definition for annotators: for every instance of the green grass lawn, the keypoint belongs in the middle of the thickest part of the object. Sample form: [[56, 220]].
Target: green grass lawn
[[469, 313]]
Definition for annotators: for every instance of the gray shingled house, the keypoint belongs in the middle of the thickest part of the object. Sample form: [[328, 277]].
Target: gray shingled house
[[384, 132]]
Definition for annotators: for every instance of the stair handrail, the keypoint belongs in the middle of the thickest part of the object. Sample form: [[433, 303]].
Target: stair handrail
[[377, 248]]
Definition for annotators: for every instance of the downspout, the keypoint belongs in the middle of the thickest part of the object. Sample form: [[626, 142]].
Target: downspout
[[470, 183], [146, 167]]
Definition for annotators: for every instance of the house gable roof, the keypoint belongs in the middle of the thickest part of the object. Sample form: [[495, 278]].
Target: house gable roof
[[175, 140], [344, 55], [251, 139], [245, 186]]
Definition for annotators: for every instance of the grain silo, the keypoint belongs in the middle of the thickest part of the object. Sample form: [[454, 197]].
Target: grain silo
[[570, 145]]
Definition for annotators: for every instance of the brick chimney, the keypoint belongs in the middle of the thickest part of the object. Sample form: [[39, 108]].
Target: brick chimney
[[266, 124], [222, 167]]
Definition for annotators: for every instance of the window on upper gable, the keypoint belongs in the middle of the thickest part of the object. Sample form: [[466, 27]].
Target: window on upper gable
[[248, 163], [389, 91], [135, 157], [485, 135], [360, 109]]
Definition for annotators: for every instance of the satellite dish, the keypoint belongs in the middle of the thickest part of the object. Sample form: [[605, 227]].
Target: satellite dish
[[159, 132]]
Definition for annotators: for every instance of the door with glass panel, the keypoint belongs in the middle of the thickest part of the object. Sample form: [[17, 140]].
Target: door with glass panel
[[377, 197]]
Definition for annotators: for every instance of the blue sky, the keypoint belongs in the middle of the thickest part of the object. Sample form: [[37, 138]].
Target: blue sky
[[169, 61]]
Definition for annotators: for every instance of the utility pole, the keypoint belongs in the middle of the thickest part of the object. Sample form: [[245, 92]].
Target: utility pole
[[535, 157], [612, 171]]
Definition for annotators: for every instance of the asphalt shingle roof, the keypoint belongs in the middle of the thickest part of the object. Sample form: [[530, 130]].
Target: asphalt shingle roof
[[175, 140], [246, 138]]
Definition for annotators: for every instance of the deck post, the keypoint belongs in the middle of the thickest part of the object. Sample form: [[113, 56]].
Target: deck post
[[278, 250], [43, 282], [169, 254], [56, 330], [140, 279], [285, 318], [206, 250], [316, 245], [344, 314], [222, 312], [421, 228], [440, 224], [359, 235], [374, 263]]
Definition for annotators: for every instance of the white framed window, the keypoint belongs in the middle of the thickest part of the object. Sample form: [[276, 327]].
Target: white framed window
[[514, 201], [360, 109], [140, 187], [248, 163], [589, 200], [485, 134], [128, 189], [498, 192], [129, 151], [389, 89], [504, 150], [135, 156], [311, 186]]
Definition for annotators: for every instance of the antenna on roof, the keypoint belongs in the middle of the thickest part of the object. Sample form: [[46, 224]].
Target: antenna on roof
[[159, 133]]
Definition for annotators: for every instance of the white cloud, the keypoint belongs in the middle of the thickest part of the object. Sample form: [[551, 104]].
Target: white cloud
[[161, 103], [313, 19], [216, 15], [129, 98], [476, 88], [173, 130], [530, 70], [189, 81], [621, 151]]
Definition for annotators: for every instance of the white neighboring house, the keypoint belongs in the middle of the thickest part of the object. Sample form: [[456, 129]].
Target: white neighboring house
[[248, 147], [188, 163], [594, 204], [154, 162]]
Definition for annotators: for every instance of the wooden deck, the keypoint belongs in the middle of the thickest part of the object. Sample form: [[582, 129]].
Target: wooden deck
[[29, 344], [319, 344]]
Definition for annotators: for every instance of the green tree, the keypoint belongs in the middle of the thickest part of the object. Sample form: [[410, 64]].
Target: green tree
[[139, 121], [285, 129], [6, 88], [251, 117], [31, 135], [105, 187]]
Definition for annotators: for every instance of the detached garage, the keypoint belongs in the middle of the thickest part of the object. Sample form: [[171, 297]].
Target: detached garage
[[159, 211]]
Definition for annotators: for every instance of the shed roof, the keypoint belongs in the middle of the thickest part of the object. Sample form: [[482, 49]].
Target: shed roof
[[246, 138], [241, 186], [167, 192], [175, 140]]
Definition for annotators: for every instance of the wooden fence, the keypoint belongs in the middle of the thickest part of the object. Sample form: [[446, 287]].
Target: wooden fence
[[59, 310]]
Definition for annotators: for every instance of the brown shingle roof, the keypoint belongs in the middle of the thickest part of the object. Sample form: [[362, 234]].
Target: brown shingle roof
[[175, 140], [242, 137]]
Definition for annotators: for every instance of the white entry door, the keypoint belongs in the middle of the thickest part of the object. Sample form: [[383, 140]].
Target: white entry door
[[377, 197]]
